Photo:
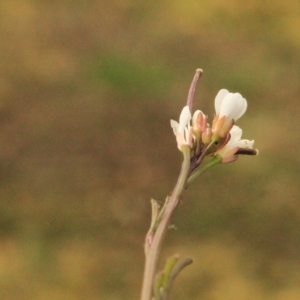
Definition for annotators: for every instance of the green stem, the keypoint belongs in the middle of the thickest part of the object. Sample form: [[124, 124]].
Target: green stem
[[200, 159], [216, 160], [155, 247]]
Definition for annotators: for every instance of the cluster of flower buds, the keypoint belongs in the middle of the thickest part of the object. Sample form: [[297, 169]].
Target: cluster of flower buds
[[223, 139]]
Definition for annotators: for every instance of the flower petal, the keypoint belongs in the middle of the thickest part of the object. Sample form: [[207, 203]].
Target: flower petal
[[246, 144], [184, 118], [241, 106], [219, 99], [183, 129], [174, 126], [236, 133], [233, 106]]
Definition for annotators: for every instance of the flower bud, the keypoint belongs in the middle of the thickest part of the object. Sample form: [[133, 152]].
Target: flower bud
[[199, 121], [206, 136]]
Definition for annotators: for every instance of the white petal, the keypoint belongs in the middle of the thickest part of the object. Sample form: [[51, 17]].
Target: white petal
[[240, 107], [228, 105], [175, 126], [233, 106], [236, 133], [235, 136], [185, 118], [246, 144], [219, 99]]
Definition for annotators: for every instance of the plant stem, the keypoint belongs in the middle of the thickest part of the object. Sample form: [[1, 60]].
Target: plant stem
[[216, 160], [153, 250]]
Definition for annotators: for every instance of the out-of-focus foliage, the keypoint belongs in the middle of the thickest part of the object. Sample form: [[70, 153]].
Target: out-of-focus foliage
[[87, 89]]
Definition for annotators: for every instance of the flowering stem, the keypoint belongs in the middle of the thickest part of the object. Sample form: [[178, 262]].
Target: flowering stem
[[153, 250]]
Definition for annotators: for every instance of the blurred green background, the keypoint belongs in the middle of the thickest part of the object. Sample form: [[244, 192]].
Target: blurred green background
[[87, 89]]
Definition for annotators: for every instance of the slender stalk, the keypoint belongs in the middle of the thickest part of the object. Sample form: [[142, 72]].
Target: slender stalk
[[190, 98], [216, 160], [153, 251]]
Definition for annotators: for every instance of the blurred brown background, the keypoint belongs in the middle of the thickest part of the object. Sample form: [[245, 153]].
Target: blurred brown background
[[87, 89]]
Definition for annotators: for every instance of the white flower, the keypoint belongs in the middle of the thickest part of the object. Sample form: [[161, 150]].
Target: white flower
[[228, 152], [183, 130], [229, 107]]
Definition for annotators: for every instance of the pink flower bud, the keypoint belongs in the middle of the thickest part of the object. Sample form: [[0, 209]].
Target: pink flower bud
[[206, 136], [199, 121]]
